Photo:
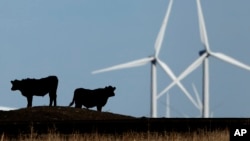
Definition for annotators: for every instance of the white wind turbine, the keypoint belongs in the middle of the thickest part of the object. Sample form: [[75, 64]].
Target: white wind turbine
[[199, 101], [153, 60], [197, 98], [204, 54]]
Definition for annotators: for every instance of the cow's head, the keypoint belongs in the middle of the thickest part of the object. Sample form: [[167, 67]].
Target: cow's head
[[15, 85], [110, 91]]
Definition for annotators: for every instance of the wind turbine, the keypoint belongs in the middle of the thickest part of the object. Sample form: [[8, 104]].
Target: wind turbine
[[199, 101], [204, 54], [197, 98], [168, 105], [153, 60]]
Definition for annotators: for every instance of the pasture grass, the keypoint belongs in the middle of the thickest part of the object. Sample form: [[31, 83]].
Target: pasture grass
[[200, 135]]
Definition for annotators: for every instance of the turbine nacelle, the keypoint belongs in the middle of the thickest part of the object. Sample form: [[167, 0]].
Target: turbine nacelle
[[203, 52]]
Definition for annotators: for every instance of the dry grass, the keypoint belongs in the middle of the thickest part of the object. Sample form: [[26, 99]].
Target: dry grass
[[132, 136], [14, 122]]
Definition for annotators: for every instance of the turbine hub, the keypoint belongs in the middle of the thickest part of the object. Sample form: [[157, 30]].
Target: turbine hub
[[154, 61]]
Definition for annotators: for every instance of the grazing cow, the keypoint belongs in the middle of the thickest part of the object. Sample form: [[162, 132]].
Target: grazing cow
[[38, 87], [92, 98]]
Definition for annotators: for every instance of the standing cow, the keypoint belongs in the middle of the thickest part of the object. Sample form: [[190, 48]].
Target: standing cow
[[92, 98], [38, 87]]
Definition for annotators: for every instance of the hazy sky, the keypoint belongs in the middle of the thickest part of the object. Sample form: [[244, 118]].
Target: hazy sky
[[70, 39]]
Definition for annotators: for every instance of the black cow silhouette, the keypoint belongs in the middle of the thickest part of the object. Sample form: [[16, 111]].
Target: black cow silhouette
[[37, 87], [92, 98]]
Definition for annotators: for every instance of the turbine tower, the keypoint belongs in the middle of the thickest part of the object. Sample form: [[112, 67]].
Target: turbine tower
[[204, 54], [153, 60]]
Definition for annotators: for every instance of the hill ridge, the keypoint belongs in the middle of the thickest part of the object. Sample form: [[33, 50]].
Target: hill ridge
[[59, 113]]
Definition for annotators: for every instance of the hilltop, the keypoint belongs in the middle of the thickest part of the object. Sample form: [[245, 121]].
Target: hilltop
[[45, 113]]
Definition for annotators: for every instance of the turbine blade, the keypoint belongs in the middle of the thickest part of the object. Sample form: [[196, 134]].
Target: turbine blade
[[193, 66], [135, 63], [183, 89], [171, 74], [159, 39], [187, 94], [166, 69], [197, 96], [186, 72], [202, 27], [230, 60], [167, 88]]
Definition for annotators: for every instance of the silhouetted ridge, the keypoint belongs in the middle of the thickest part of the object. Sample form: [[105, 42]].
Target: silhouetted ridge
[[45, 113]]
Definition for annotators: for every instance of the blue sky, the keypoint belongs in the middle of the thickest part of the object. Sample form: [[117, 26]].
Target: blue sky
[[70, 39]]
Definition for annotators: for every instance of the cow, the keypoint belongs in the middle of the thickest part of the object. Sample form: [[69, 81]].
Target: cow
[[91, 98], [37, 87]]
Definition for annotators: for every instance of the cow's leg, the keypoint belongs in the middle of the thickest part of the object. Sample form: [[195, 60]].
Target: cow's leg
[[55, 103], [52, 98], [99, 108], [77, 105], [29, 100]]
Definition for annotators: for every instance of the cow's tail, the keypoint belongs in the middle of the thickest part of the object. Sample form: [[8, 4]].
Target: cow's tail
[[73, 101]]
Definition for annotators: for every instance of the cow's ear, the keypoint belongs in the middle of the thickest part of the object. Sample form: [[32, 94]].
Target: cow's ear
[[114, 88], [11, 82]]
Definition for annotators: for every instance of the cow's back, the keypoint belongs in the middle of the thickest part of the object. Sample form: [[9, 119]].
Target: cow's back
[[41, 87], [50, 82], [90, 98]]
